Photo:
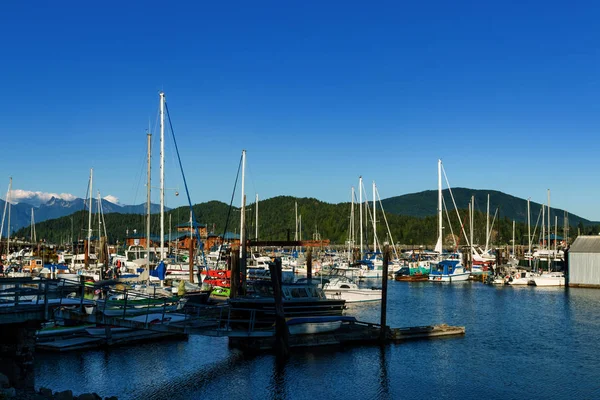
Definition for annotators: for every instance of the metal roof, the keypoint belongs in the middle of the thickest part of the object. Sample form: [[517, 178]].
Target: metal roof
[[586, 244]]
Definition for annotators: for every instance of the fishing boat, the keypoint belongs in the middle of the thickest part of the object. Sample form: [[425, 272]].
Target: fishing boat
[[303, 299], [313, 325], [340, 285], [405, 274], [448, 271]]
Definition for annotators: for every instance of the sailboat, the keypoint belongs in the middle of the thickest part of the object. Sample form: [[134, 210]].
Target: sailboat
[[449, 268]]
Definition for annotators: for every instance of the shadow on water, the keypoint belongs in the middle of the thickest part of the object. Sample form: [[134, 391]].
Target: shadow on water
[[383, 391], [197, 382], [277, 383]]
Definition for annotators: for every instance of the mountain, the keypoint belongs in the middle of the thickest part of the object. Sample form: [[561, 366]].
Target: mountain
[[20, 214], [411, 219], [424, 203]]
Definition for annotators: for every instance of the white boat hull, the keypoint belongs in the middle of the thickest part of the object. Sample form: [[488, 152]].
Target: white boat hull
[[450, 278], [314, 327], [354, 295]]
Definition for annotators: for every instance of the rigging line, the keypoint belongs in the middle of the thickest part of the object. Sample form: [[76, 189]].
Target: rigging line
[[536, 223], [4, 213], [449, 223], [230, 206], [200, 244], [386, 222], [489, 234], [455, 208]]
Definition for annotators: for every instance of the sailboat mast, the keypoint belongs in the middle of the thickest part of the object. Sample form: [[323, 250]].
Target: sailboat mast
[[529, 230], [256, 219], [513, 246], [487, 226], [360, 185], [243, 206], [8, 199], [549, 227], [472, 217], [352, 235], [162, 175], [148, 188], [374, 220], [33, 238], [543, 225], [89, 238], [438, 245], [555, 233]]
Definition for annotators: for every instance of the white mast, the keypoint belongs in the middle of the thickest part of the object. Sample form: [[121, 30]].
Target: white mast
[[256, 222], [243, 207], [487, 226], [543, 225], [374, 221], [472, 212], [361, 215], [296, 210], [8, 198], [162, 175], [438, 245], [89, 241], [33, 238], [555, 233], [529, 231], [549, 227], [513, 246], [148, 188], [352, 235]]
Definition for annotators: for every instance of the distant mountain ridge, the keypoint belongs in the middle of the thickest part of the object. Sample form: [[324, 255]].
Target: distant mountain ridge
[[423, 204], [56, 208]]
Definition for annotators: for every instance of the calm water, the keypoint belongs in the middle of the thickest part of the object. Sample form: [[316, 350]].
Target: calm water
[[521, 343]]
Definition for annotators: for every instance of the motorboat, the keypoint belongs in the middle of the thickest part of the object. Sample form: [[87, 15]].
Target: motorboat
[[450, 270]]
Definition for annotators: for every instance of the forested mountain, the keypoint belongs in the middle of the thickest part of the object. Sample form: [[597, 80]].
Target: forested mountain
[[424, 203], [318, 219]]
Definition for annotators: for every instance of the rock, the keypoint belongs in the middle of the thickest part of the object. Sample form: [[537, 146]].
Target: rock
[[4, 381], [89, 396], [8, 393], [46, 392], [111, 398], [65, 395]]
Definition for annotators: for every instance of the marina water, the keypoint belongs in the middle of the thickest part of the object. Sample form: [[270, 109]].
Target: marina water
[[520, 343]]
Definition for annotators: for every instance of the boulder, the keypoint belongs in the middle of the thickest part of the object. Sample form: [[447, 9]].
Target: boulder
[[4, 381], [8, 393], [65, 395], [89, 396], [46, 392]]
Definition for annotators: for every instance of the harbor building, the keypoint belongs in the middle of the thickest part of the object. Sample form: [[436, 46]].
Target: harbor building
[[584, 262]]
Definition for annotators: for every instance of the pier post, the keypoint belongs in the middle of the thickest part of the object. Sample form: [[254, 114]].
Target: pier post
[[235, 273], [309, 263], [17, 351], [384, 285], [281, 329]]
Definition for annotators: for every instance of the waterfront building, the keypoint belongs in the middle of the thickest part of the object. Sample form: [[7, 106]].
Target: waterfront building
[[584, 262]]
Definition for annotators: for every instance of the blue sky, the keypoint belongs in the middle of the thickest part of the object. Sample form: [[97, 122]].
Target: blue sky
[[318, 93]]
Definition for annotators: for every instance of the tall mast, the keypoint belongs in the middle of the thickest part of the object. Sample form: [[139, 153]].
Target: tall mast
[[513, 246], [148, 204], [33, 238], [549, 227], [352, 235], [543, 225], [256, 222], [438, 245], [162, 175], [8, 199], [296, 211], [487, 226], [374, 221], [89, 241], [360, 185], [472, 214], [555, 233], [529, 231], [243, 207]]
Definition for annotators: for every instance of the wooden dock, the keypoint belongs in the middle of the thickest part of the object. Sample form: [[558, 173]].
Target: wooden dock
[[357, 333]]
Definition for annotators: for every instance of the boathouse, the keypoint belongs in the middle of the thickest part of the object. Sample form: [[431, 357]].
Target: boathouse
[[584, 262]]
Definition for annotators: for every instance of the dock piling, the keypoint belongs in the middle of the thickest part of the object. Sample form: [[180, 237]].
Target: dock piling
[[384, 284]]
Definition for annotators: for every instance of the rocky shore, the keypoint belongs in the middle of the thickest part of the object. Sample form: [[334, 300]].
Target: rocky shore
[[7, 392]]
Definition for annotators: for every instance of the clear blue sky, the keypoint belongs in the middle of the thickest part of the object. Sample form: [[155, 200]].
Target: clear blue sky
[[318, 93]]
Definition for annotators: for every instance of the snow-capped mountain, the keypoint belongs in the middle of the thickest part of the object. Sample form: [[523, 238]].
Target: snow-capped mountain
[[55, 207]]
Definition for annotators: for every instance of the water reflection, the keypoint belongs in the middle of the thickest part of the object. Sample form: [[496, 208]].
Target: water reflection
[[277, 384], [384, 381]]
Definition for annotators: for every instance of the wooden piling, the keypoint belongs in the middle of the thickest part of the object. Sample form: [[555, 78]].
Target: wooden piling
[[384, 285], [309, 263], [281, 329], [235, 272]]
